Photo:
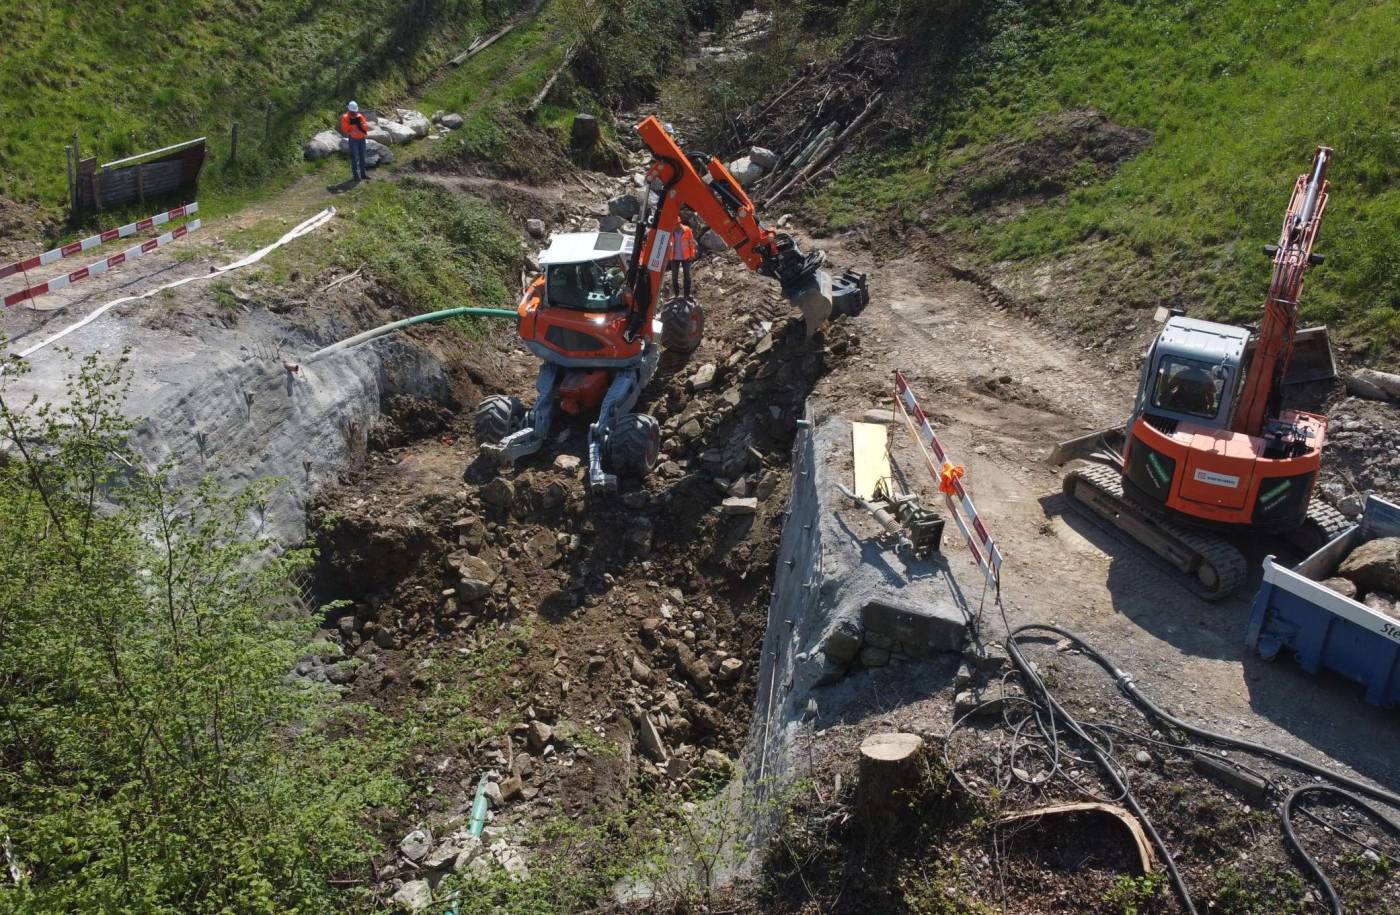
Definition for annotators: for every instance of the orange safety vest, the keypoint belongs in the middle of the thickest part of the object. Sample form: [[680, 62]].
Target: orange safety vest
[[353, 125], [684, 245]]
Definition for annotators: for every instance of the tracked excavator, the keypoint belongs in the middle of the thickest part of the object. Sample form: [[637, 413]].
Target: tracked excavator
[[1209, 449], [592, 318]]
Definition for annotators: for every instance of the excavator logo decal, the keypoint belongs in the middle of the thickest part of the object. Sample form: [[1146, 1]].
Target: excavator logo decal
[[1217, 479], [659, 249]]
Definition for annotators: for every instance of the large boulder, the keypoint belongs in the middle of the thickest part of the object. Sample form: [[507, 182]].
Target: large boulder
[[416, 122], [745, 170], [379, 135], [625, 206], [763, 158], [398, 131], [452, 121], [326, 143], [377, 154], [1373, 385], [1374, 565]]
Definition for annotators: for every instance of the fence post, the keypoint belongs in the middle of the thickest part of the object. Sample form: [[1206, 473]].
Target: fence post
[[72, 184], [233, 143]]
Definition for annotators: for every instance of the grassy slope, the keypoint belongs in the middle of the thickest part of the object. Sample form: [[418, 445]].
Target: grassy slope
[[139, 74], [1237, 92]]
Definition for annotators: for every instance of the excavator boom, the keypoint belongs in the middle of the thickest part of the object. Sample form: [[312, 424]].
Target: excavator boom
[[1260, 399], [702, 184]]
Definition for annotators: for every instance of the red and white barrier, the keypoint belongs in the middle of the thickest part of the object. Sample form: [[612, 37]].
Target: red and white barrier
[[92, 241], [948, 477], [130, 254]]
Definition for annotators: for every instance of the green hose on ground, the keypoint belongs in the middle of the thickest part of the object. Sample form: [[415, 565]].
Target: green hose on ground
[[389, 328]]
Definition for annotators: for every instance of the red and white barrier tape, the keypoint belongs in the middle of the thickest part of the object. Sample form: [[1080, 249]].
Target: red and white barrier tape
[[979, 540], [130, 254], [92, 241], [309, 225]]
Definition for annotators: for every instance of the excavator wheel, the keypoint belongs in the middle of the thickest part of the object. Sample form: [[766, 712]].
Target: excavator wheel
[[682, 325], [633, 445], [496, 417]]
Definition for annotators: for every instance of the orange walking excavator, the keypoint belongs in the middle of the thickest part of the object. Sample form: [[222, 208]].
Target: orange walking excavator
[[591, 316], [1209, 446]]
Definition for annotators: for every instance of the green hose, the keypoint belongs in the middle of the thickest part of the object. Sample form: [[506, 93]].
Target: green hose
[[389, 328]]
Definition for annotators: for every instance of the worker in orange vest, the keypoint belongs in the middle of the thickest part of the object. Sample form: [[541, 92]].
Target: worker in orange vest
[[682, 253], [356, 128]]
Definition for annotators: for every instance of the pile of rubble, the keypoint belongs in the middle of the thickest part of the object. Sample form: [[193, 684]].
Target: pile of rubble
[[429, 860], [1371, 574], [404, 126]]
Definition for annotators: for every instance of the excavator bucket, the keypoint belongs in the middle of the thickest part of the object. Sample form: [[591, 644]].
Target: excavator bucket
[[820, 296], [1312, 358]]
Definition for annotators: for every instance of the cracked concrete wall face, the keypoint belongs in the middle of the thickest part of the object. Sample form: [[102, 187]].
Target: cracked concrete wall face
[[836, 587]]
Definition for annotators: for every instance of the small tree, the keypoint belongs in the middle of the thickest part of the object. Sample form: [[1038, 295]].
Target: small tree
[[153, 755]]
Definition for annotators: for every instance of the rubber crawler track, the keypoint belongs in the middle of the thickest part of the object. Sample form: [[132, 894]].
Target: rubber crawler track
[[1224, 559]]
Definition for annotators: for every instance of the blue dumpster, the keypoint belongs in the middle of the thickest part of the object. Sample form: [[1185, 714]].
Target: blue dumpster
[[1325, 629]]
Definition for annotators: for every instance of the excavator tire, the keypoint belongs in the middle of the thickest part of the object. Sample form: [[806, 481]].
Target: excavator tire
[[1322, 524], [1208, 565], [496, 417], [633, 445], [682, 325]]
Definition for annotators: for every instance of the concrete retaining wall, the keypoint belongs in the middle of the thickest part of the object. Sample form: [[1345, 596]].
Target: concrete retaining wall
[[843, 604]]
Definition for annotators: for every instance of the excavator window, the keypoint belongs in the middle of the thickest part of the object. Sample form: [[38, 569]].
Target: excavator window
[[585, 286], [1188, 386]]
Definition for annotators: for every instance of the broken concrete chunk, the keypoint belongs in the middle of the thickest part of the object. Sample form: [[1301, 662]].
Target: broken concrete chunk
[[415, 895], [416, 844], [538, 736], [499, 493], [735, 505], [704, 377], [918, 631], [651, 739], [843, 642]]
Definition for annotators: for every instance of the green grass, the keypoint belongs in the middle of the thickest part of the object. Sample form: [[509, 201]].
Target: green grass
[[1237, 94], [131, 75]]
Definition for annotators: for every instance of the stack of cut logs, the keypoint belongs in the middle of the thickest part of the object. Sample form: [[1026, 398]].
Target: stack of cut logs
[[814, 118]]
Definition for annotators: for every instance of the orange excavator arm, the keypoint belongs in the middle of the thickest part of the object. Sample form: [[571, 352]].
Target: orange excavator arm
[[1261, 397], [706, 187]]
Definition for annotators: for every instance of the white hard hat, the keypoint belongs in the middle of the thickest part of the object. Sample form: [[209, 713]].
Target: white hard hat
[[353, 106]]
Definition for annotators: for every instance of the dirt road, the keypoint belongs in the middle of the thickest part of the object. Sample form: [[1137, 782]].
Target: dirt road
[[1002, 392]]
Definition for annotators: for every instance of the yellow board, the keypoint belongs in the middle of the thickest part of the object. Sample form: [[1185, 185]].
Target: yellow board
[[872, 462]]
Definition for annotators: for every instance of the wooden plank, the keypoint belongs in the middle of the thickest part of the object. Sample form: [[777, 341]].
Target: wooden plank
[[872, 462]]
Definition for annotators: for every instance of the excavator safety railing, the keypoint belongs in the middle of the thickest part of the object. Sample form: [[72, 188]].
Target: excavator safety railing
[[947, 476]]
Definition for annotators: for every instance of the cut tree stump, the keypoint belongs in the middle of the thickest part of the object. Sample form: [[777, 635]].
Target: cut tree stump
[[584, 134], [889, 771]]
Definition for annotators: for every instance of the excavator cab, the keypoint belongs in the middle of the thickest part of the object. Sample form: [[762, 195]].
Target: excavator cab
[[1191, 374]]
